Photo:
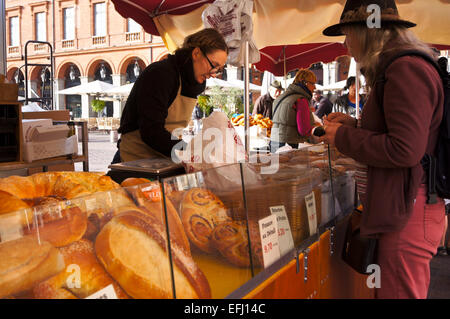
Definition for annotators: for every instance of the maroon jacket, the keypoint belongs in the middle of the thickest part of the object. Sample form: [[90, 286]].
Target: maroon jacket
[[392, 144]]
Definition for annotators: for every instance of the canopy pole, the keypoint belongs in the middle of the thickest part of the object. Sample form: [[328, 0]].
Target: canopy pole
[[358, 76], [284, 65], [2, 37], [246, 98]]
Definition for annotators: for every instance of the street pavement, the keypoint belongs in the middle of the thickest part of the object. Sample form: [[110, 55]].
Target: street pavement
[[101, 153]]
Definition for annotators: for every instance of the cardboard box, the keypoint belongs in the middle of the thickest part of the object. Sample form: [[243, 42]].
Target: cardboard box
[[29, 125], [33, 151], [59, 115]]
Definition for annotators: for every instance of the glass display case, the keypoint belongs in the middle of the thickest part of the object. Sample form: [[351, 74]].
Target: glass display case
[[199, 235]]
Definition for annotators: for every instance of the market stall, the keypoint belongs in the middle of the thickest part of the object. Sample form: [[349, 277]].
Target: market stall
[[268, 227]]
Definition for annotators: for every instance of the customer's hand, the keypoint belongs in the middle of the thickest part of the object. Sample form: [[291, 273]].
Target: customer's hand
[[330, 132], [342, 118]]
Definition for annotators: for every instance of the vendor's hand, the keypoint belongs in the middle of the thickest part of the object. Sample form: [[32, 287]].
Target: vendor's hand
[[342, 118], [330, 132]]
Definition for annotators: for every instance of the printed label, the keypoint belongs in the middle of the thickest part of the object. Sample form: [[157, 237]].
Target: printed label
[[312, 214], [106, 293]]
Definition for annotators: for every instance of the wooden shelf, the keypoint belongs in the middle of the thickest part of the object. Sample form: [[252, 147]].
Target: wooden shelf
[[43, 163]]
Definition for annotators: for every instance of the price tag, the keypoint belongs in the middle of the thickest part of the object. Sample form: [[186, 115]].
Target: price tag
[[268, 230], [284, 229], [106, 293], [183, 183], [312, 214]]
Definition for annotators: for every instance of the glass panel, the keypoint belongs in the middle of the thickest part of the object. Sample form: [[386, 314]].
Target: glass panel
[[41, 27], [69, 23], [344, 170], [278, 188], [14, 30], [133, 26], [210, 206], [100, 19]]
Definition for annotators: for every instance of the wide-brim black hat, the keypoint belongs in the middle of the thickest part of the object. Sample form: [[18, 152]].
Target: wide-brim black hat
[[356, 13]]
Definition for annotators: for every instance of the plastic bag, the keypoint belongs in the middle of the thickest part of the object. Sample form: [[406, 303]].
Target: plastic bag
[[233, 19]]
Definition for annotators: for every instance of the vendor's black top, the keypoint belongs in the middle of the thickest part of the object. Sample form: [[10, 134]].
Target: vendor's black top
[[154, 91]]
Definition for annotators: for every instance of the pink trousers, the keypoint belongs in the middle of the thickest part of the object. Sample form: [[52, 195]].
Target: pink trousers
[[404, 256]]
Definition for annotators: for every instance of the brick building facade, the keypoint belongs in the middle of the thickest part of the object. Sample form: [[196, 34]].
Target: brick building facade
[[90, 41]]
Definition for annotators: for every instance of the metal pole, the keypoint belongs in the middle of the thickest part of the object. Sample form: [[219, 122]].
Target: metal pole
[[246, 98], [53, 62], [358, 75], [2, 37], [284, 65]]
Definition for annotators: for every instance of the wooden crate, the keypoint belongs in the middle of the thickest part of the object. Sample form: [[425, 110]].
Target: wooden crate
[[10, 132]]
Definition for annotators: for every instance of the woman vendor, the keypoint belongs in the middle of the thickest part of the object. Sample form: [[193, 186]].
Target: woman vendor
[[165, 94]]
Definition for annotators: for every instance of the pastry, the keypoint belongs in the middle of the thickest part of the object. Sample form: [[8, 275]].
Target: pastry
[[201, 212], [144, 271], [82, 277], [231, 240]]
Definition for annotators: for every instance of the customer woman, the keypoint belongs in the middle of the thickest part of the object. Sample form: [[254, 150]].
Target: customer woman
[[347, 102], [165, 94], [394, 133], [293, 120]]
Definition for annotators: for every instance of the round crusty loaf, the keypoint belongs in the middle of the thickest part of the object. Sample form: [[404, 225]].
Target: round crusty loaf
[[63, 185], [25, 262], [92, 277], [144, 271], [201, 212]]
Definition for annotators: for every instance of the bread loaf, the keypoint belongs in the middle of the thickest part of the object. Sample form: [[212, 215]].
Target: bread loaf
[[82, 277], [60, 227], [144, 271], [147, 195], [201, 212], [25, 262]]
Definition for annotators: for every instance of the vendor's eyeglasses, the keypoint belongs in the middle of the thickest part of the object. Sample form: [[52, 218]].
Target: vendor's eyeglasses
[[215, 70]]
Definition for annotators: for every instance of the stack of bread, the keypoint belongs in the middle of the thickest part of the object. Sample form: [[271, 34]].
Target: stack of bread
[[72, 234], [205, 222]]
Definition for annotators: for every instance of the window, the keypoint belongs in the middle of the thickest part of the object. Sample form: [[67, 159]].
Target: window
[[69, 23], [14, 32], [133, 26], [100, 19], [41, 28]]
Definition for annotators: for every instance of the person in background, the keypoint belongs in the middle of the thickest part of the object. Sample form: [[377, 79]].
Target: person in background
[[399, 125], [263, 104], [322, 104], [197, 116], [346, 103], [163, 97], [293, 120]]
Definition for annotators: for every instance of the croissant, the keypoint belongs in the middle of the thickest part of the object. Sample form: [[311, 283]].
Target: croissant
[[201, 212], [68, 284], [230, 239]]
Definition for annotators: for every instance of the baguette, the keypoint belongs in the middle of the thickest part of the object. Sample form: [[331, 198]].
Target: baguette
[[144, 271]]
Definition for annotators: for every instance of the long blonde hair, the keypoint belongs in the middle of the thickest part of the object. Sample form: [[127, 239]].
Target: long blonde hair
[[372, 43]]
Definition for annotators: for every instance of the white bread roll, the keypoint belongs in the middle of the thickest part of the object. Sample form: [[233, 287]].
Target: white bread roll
[[24, 262]]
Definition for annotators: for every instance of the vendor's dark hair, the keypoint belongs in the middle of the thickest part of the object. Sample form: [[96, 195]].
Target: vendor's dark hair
[[208, 40], [350, 81]]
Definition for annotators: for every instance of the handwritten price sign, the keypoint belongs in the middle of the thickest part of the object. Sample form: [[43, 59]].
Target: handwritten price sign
[[286, 243], [268, 229]]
